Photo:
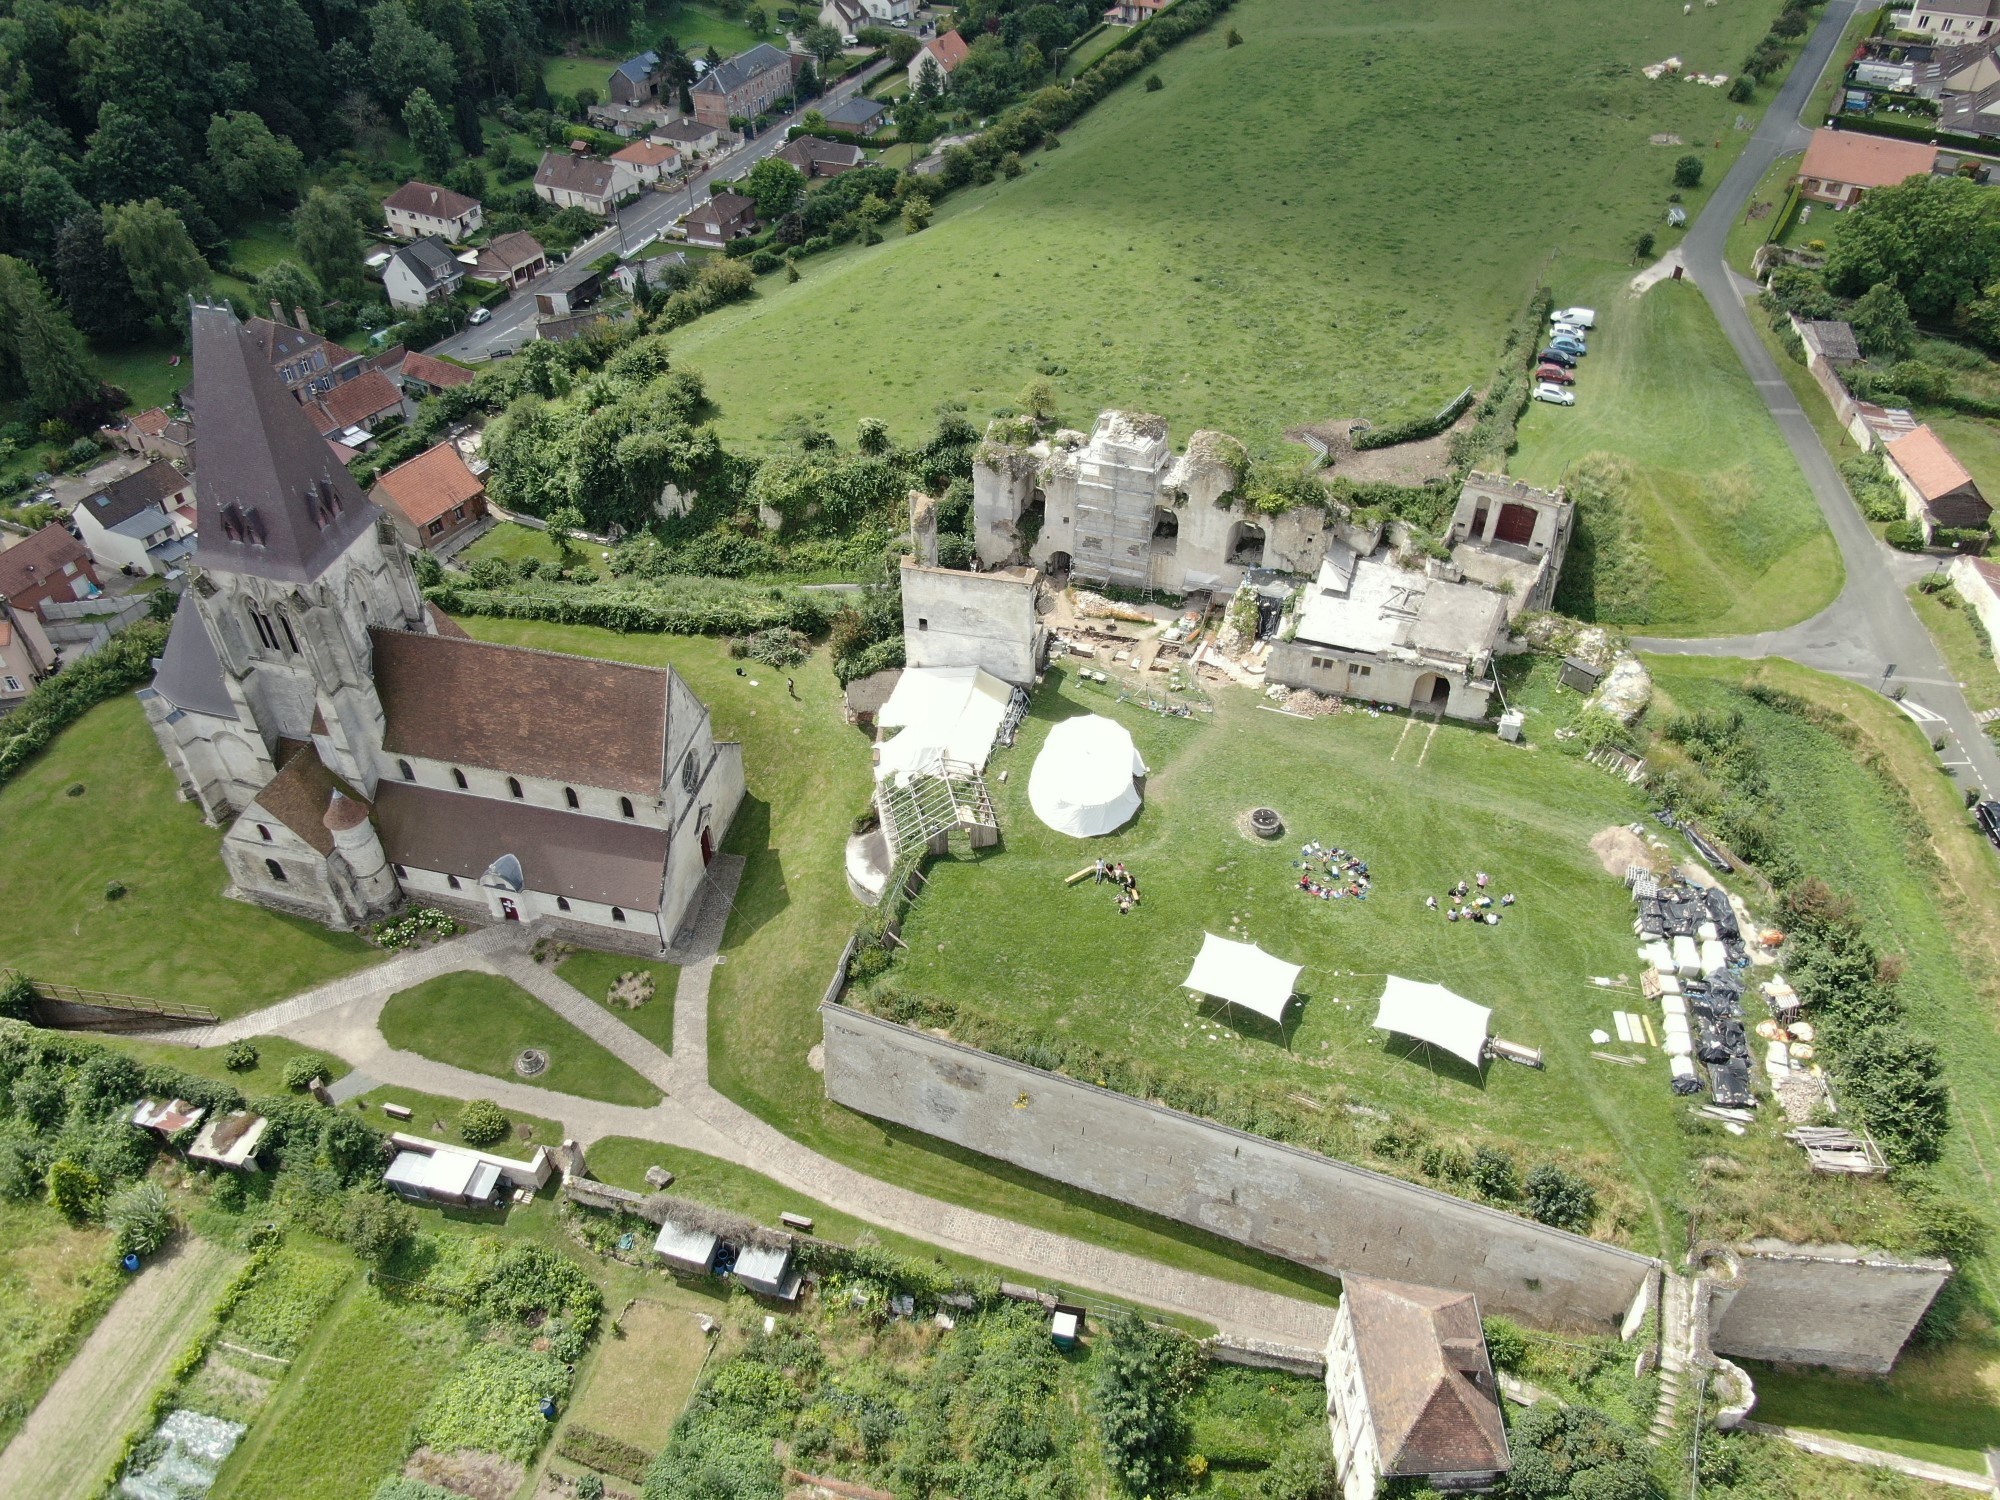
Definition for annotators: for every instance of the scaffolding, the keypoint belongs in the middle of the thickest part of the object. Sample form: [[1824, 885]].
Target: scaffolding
[[933, 805]]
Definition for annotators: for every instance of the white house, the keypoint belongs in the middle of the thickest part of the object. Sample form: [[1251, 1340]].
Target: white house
[[598, 183], [944, 53], [1411, 1393], [132, 525], [844, 16], [890, 12], [420, 273], [650, 162], [416, 209]]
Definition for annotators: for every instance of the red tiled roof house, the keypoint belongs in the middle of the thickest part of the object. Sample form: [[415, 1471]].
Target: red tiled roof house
[[1937, 489], [1840, 165], [432, 498]]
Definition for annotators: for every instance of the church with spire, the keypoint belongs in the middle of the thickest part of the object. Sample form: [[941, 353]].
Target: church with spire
[[362, 751]]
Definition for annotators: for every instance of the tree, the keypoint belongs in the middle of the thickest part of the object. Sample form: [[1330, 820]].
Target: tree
[[930, 83], [774, 186], [1038, 399], [329, 239], [564, 522], [242, 1054], [902, 48], [871, 436], [129, 156], [300, 1071], [1575, 1453], [1742, 88], [403, 57], [1642, 248], [1234, 39], [1935, 239], [159, 257], [430, 133], [48, 202], [1561, 1198], [756, 20], [376, 1225], [1895, 1080], [1882, 323], [482, 1122], [249, 165], [1143, 1375], [822, 41], [288, 284], [807, 86], [91, 278], [41, 345], [1303, 1469], [75, 1192], [1687, 172], [916, 213]]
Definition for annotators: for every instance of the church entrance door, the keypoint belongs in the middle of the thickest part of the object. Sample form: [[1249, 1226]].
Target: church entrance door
[[508, 910]]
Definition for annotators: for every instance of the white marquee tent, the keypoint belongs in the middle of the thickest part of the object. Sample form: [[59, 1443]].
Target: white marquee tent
[[1431, 1013], [1082, 783], [944, 713], [1245, 975]]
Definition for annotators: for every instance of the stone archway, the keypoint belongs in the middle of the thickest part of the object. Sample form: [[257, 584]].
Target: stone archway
[[1431, 694]]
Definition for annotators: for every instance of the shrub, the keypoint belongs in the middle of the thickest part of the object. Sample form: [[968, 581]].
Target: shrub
[[241, 1056], [1153, 84], [594, 1450], [590, 1487], [75, 1192], [1687, 172], [17, 998], [139, 1212], [1560, 1198], [1506, 1345], [1494, 1175], [114, 890], [1905, 536], [778, 647], [1303, 1469], [482, 1122], [1234, 39], [1741, 89], [376, 1225], [303, 1069], [1143, 1375]]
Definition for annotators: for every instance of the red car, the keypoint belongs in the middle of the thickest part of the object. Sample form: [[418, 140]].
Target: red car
[[1555, 373]]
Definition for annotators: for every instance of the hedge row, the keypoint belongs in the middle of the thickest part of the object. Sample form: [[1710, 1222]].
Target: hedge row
[[61, 700], [648, 611], [1910, 131], [1417, 428]]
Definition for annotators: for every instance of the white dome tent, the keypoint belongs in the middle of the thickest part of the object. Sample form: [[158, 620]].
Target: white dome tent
[[1083, 781]]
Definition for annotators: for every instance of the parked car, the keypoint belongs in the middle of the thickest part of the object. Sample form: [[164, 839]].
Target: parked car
[[503, 351], [1555, 395], [1554, 356], [1570, 345], [1583, 317], [1987, 816], [481, 315], [1556, 374], [1566, 331]]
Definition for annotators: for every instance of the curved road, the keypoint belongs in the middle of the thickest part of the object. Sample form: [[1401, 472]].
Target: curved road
[[1869, 634]]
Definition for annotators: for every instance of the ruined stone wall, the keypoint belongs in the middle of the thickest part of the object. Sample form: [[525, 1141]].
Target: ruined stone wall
[[1822, 1305], [958, 619], [1308, 1208]]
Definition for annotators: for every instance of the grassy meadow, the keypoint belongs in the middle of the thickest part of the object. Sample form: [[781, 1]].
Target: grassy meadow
[[483, 1022], [1321, 222], [56, 1280], [172, 935], [596, 973]]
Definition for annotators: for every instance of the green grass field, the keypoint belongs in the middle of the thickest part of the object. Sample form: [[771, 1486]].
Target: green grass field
[[1321, 222], [342, 1418], [808, 777], [435, 1115], [482, 1022], [1016, 952], [595, 973], [173, 936], [1942, 1407], [512, 542], [1734, 538], [267, 1077], [1967, 651], [56, 1280]]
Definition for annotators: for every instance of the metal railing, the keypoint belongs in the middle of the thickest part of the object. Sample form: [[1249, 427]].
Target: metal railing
[[72, 994]]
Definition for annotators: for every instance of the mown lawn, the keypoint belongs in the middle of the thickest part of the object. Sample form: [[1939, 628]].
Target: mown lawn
[[1321, 222], [483, 1022], [266, 1077], [341, 1419], [437, 1116], [596, 973], [1940, 1406], [808, 779], [512, 542], [172, 936], [1732, 539], [1025, 960]]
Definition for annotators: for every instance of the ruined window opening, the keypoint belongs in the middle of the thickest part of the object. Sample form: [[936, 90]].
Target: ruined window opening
[[458, 778], [277, 870], [1166, 525]]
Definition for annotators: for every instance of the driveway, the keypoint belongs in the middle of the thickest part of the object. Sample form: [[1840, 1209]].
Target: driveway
[[1869, 634], [513, 320]]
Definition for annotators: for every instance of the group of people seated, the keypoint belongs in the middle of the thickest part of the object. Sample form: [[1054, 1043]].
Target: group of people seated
[[1467, 907], [1331, 874], [1125, 880]]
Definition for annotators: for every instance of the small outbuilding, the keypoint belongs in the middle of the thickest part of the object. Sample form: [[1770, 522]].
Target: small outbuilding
[[690, 1250], [1579, 674], [767, 1270], [166, 1116], [444, 1176], [231, 1140]]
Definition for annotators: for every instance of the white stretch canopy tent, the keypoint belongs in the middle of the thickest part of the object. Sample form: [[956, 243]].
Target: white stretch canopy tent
[[945, 713], [1431, 1013], [1082, 783], [1245, 975]]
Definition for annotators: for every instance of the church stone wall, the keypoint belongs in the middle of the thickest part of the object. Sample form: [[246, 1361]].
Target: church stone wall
[[1323, 1213]]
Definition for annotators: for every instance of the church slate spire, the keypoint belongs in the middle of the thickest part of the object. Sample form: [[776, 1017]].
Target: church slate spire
[[270, 499]]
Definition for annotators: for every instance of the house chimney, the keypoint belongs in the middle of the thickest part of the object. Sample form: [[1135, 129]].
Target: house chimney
[[277, 312], [923, 528], [300, 314]]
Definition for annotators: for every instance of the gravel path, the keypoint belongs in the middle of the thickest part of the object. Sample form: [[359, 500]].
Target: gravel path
[[71, 1438]]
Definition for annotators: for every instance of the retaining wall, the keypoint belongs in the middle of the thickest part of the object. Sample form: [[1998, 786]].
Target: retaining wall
[[1322, 1213]]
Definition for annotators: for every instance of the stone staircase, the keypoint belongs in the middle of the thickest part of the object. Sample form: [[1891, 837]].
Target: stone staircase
[[1676, 1368]]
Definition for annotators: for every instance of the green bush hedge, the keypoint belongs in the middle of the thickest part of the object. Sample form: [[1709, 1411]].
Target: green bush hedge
[[1417, 428], [61, 700], [700, 607]]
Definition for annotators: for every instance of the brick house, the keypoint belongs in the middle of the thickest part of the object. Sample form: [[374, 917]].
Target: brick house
[[1840, 166], [1937, 489], [416, 209], [308, 365], [431, 498], [48, 565], [154, 431], [363, 403], [725, 217], [746, 85]]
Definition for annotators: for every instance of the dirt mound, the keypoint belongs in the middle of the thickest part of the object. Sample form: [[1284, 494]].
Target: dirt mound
[[1618, 848], [479, 1476]]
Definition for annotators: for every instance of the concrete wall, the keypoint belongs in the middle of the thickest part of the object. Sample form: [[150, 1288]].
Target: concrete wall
[[1305, 1207], [1978, 594], [953, 618], [1829, 1305]]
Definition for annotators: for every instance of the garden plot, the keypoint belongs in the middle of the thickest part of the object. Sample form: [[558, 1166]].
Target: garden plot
[[648, 1364], [181, 1459]]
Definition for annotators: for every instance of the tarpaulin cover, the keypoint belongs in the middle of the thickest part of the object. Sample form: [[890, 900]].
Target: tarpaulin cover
[[945, 713], [1083, 781], [1431, 1013], [1243, 974]]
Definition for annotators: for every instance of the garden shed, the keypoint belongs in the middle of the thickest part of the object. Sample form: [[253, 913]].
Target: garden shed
[[230, 1140], [691, 1250], [767, 1269]]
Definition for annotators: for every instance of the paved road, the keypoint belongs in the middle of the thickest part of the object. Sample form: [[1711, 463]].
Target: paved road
[[344, 1018], [513, 321], [1870, 628]]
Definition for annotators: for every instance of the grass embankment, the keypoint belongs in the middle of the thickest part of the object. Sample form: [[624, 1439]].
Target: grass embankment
[[1723, 535], [172, 935], [596, 973], [267, 1077], [56, 1281], [808, 777], [1185, 293], [483, 1023], [1940, 1406], [1967, 650], [1760, 214]]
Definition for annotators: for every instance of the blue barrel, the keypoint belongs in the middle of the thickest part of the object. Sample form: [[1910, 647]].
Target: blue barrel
[[549, 1407], [130, 1262]]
